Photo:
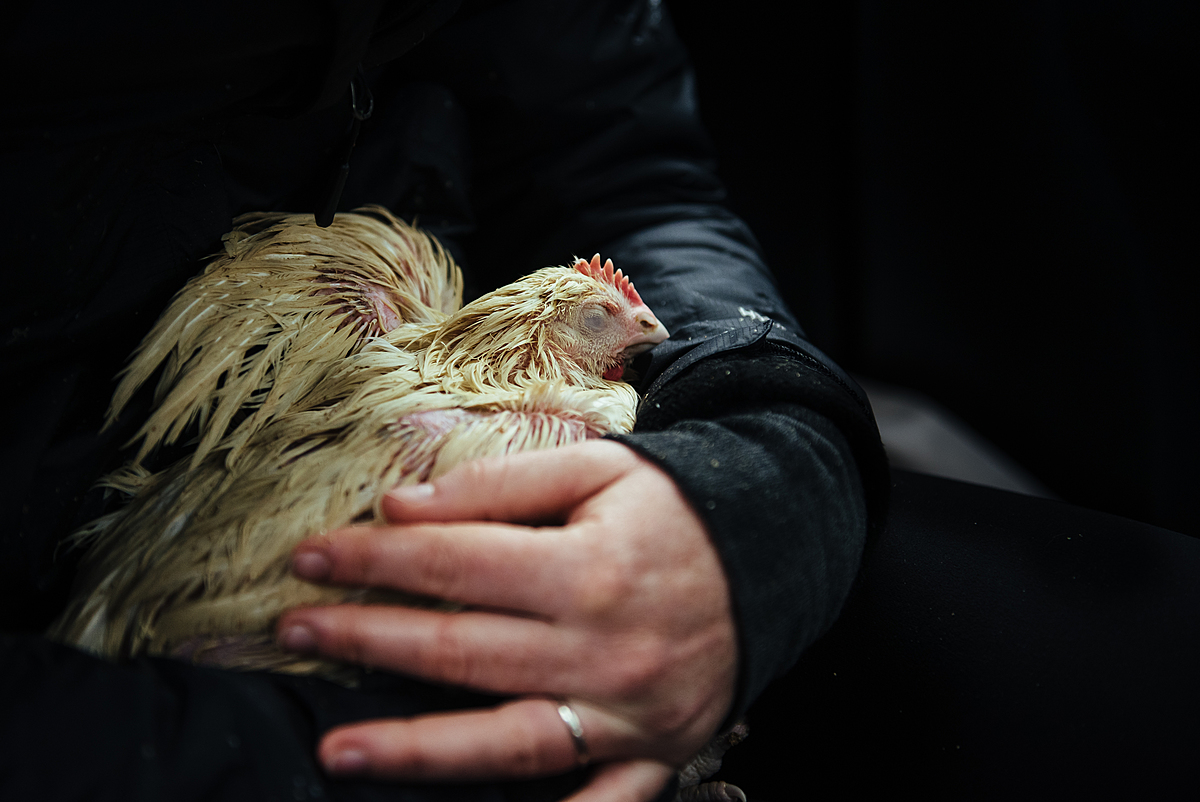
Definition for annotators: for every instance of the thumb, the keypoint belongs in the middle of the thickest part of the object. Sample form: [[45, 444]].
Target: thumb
[[528, 488]]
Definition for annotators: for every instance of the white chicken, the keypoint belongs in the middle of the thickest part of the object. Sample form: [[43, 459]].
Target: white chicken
[[317, 369], [314, 369]]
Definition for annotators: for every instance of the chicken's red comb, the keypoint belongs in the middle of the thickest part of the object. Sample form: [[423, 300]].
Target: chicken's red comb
[[606, 274]]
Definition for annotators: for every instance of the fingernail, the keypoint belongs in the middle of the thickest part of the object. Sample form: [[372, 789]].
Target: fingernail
[[297, 638], [349, 762], [311, 565], [413, 494]]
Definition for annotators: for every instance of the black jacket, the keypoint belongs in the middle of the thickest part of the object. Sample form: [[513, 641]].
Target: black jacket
[[520, 133]]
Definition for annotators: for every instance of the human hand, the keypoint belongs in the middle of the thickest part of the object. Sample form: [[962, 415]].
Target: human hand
[[616, 603]]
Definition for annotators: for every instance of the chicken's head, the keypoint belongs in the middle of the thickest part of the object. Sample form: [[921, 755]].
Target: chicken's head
[[606, 327], [584, 323]]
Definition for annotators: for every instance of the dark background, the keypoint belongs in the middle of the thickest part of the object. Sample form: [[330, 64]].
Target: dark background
[[992, 204]]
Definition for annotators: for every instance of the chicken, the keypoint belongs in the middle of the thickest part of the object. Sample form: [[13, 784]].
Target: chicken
[[319, 368], [314, 369]]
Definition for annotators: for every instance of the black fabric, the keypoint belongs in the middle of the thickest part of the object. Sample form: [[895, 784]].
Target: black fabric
[[157, 729], [995, 646], [774, 478], [761, 372], [110, 229], [520, 132], [75, 727]]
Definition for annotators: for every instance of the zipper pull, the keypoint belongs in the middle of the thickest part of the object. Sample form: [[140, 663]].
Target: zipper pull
[[362, 104]]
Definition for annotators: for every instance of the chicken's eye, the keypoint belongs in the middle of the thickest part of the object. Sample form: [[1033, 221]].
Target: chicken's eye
[[595, 319]]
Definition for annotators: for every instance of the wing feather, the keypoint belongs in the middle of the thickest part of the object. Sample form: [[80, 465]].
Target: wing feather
[[246, 339]]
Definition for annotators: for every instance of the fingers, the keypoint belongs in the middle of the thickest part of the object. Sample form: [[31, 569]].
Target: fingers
[[625, 606], [480, 650], [516, 740], [493, 565], [499, 489], [523, 738]]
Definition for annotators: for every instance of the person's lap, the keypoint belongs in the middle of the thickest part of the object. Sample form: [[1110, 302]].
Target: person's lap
[[996, 646]]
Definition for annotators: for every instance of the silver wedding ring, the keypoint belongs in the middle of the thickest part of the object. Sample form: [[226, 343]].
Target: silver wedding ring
[[567, 714]]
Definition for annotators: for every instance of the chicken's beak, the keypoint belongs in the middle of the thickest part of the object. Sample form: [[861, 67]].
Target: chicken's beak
[[650, 332]]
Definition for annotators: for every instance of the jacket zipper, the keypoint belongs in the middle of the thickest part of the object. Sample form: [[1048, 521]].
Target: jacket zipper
[[362, 104]]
